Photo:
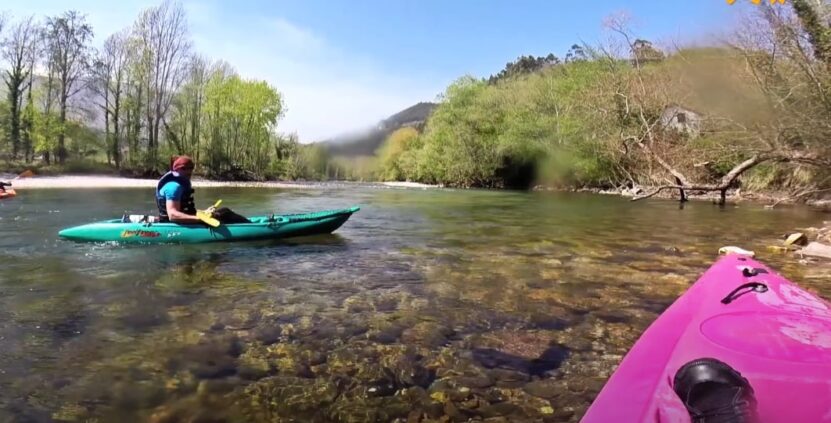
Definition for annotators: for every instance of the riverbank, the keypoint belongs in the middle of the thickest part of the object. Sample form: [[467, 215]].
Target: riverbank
[[398, 184], [46, 182], [100, 181], [768, 199]]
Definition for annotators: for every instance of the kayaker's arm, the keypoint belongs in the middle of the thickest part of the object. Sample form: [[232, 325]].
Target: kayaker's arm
[[175, 214]]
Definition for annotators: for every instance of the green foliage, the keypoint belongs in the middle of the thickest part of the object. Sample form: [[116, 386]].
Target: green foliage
[[67, 38], [762, 177], [227, 123], [576, 53], [238, 118], [524, 65], [295, 161], [367, 143], [392, 167], [72, 166], [460, 137], [84, 141], [354, 168], [818, 32], [577, 124], [644, 52], [509, 134], [78, 166], [581, 122], [44, 129], [310, 162], [5, 118]]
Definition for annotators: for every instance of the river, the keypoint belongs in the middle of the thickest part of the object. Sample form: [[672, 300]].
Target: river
[[425, 304]]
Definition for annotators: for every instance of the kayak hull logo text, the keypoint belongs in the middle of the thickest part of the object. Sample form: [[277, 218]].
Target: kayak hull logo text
[[140, 234]]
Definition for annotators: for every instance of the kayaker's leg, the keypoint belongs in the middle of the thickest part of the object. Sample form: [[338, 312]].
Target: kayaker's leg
[[226, 215], [714, 392]]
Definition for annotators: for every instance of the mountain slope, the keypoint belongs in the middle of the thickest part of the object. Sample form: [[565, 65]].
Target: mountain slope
[[365, 144]]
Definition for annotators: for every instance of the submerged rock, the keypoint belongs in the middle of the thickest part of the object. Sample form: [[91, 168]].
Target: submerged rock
[[509, 378], [294, 359], [816, 249], [254, 363], [357, 304], [359, 409], [427, 334], [268, 334], [181, 383], [544, 388], [480, 381], [500, 409], [144, 394], [71, 413], [289, 397], [212, 358], [216, 386]]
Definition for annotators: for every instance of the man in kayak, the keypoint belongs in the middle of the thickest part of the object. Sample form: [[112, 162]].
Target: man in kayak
[[3, 186], [174, 196]]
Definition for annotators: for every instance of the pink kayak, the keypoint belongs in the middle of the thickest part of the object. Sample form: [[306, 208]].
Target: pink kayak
[[774, 333]]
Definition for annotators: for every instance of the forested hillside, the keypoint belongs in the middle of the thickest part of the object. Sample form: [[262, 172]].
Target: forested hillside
[[752, 112], [144, 95]]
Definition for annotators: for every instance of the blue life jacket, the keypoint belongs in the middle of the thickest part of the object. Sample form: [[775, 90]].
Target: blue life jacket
[[186, 203]]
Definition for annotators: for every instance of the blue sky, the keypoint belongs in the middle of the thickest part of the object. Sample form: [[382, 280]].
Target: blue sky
[[344, 65]]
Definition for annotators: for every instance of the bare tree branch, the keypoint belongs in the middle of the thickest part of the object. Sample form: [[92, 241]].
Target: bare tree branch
[[165, 51]]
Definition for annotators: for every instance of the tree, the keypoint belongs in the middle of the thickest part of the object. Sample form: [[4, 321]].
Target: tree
[[524, 65], [17, 49], [391, 152], [151, 93], [576, 53], [111, 67], [605, 119], [788, 135], [238, 120], [27, 119], [644, 52], [163, 57], [134, 83], [68, 37], [184, 130], [818, 33]]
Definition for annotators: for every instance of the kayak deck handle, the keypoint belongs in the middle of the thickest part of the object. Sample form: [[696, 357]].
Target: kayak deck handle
[[748, 287], [752, 271]]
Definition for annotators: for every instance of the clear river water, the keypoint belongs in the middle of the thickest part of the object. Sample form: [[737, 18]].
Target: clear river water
[[427, 305]]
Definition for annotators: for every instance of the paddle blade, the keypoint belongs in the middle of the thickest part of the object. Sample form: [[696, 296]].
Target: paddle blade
[[207, 218], [796, 238], [26, 174], [735, 250]]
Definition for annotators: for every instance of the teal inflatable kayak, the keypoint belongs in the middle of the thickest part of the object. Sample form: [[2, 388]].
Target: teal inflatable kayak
[[261, 227]]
